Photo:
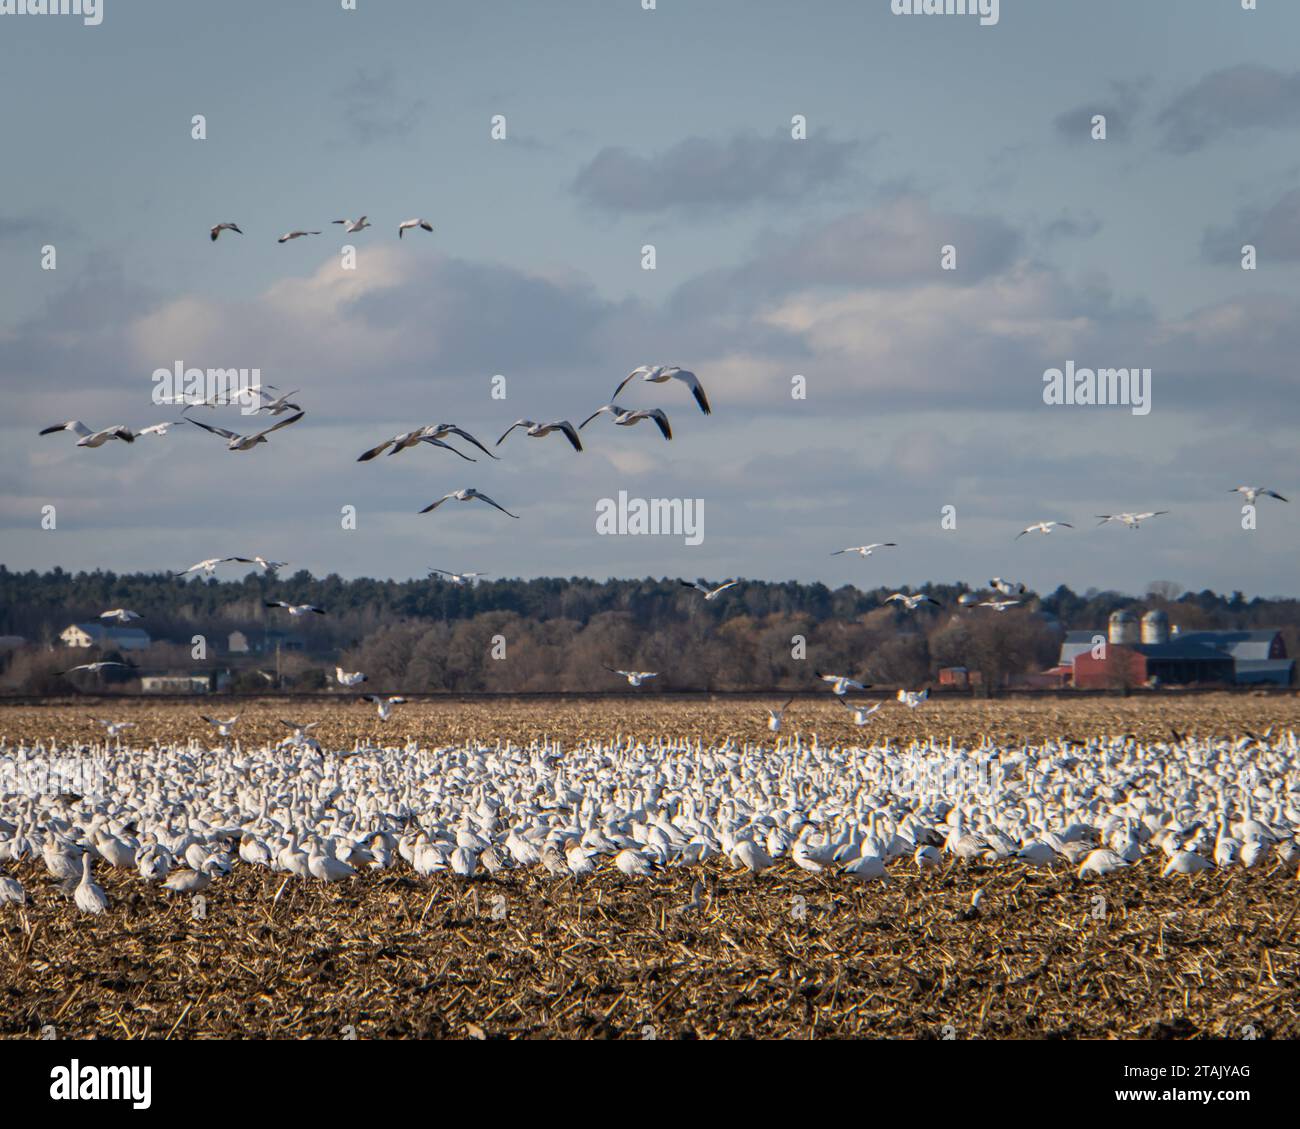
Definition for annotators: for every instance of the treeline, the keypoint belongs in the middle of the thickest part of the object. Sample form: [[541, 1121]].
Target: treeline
[[558, 634]]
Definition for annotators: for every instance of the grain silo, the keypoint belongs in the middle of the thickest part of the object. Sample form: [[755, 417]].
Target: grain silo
[[1123, 628], [1155, 627]]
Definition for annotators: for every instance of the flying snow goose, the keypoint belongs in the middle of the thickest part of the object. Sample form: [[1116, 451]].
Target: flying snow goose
[[114, 728], [866, 550], [216, 231], [1007, 587], [122, 615], [96, 667], [661, 374], [295, 235], [261, 562], [1043, 527], [294, 609], [225, 726], [88, 438], [626, 417], [458, 578], [912, 602], [277, 404], [537, 430], [437, 431], [861, 714], [159, 429], [1252, 492], [466, 495], [349, 678], [1131, 520], [997, 605], [208, 567], [913, 698], [775, 718], [353, 226], [634, 677], [383, 706], [247, 442], [406, 225], [710, 593], [841, 684]]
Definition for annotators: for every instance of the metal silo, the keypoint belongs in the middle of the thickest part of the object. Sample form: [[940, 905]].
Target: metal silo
[[1155, 627], [1123, 629]]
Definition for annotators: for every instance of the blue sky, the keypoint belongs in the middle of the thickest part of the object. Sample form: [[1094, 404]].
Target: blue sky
[[774, 257]]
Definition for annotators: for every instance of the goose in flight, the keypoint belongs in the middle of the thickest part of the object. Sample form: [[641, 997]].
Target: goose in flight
[[225, 726], [95, 667], [466, 495], [247, 442], [866, 550], [159, 429], [261, 562], [353, 226], [88, 438], [295, 235], [662, 374], [634, 677], [113, 728], [216, 231], [841, 684], [122, 615], [998, 605], [406, 225], [776, 717], [710, 593], [1252, 492], [912, 602], [1007, 587], [208, 567], [346, 678], [458, 577], [294, 609], [432, 434], [861, 714], [626, 417], [277, 404], [383, 706], [913, 698], [1043, 527], [1131, 520], [537, 430]]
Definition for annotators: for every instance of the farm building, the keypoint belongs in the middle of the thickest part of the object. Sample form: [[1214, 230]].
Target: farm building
[[97, 635], [1135, 652]]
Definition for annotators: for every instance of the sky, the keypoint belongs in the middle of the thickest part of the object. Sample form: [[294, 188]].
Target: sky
[[775, 258]]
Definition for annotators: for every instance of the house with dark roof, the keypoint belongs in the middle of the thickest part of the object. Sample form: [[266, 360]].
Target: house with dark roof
[[99, 635]]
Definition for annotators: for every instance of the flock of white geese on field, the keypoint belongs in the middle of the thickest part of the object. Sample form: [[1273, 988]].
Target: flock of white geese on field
[[184, 816]]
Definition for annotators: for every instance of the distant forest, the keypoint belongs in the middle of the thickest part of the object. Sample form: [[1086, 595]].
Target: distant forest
[[557, 634]]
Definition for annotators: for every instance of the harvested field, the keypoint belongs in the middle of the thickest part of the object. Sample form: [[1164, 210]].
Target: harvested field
[[783, 953]]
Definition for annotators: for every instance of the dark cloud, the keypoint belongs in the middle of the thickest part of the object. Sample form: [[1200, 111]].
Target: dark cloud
[[1229, 101], [703, 175], [1275, 232], [375, 110], [1120, 104]]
